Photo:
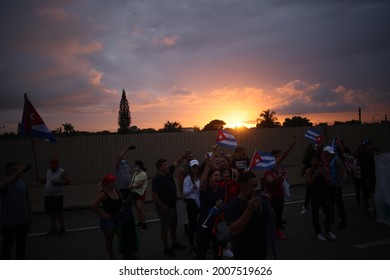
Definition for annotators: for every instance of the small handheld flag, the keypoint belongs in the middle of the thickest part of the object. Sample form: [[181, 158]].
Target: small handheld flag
[[314, 136], [226, 139], [336, 143], [32, 123], [262, 161]]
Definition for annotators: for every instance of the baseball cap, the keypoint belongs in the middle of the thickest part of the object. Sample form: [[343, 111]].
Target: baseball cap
[[54, 161], [194, 162], [329, 149], [109, 178]]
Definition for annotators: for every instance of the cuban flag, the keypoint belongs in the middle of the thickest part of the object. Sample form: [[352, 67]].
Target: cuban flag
[[262, 161], [33, 125], [314, 136], [336, 143], [226, 139]]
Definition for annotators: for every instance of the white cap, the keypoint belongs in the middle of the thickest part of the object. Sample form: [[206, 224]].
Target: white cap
[[194, 162], [329, 149]]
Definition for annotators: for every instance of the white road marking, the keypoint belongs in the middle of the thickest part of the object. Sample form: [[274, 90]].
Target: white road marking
[[373, 244]]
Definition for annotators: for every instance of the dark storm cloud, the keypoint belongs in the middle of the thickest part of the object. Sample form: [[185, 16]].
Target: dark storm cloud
[[79, 54]]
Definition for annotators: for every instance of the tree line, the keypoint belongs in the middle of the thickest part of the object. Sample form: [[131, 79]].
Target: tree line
[[267, 119]]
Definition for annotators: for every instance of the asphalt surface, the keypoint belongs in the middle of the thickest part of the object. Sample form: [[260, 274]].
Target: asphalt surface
[[364, 239]]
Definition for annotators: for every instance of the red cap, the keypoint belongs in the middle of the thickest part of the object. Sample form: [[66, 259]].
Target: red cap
[[109, 178], [54, 161]]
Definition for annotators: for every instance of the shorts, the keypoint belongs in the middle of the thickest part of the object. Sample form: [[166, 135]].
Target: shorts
[[109, 224], [141, 197], [54, 205], [168, 219]]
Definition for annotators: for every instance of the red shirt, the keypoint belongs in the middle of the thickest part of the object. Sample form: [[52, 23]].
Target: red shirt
[[231, 189], [276, 191]]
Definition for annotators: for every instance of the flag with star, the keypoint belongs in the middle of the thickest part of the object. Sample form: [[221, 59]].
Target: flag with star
[[226, 139], [262, 161], [33, 125], [314, 136]]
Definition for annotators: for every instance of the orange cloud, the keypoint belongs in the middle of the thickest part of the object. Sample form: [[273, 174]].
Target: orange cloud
[[167, 41], [55, 13], [95, 77]]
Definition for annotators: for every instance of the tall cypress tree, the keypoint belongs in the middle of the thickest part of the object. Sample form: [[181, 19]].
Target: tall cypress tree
[[124, 117]]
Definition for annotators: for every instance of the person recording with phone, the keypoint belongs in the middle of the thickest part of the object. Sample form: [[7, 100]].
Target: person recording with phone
[[123, 173], [246, 220]]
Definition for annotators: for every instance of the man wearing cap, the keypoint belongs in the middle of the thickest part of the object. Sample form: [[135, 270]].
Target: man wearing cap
[[54, 181], [164, 195], [336, 169]]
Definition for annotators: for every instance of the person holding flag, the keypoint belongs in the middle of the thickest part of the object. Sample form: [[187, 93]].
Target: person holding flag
[[211, 197]]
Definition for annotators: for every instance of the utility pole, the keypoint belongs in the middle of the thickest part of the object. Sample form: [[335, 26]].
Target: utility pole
[[360, 115]]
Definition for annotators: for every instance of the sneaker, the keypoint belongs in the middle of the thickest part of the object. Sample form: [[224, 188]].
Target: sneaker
[[169, 252], [304, 211], [321, 237], [53, 231], [178, 246], [280, 235], [331, 236], [228, 253], [61, 232]]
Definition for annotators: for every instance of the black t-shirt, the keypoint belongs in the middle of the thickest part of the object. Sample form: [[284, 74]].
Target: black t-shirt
[[241, 164], [251, 243], [165, 187], [319, 188], [208, 198]]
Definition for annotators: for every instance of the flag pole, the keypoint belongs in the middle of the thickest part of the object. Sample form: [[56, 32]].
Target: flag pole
[[253, 157], [27, 119]]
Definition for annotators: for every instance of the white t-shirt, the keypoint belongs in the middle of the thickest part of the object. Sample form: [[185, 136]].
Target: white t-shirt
[[53, 177], [137, 178]]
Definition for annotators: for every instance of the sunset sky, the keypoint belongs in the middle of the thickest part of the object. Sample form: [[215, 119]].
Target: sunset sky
[[193, 61]]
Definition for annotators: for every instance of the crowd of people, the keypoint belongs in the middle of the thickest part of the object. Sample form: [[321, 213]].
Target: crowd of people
[[229, 210]]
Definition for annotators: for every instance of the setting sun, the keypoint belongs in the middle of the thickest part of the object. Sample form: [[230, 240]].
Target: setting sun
[[238, 119]]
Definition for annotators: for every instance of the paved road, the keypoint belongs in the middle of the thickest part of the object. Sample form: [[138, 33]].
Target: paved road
[[363, 239]]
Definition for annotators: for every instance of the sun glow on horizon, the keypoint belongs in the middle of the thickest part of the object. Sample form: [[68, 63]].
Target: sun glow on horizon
[[238, 120]]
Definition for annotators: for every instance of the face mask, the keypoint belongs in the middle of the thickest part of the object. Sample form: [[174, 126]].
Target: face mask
[[123, 161]]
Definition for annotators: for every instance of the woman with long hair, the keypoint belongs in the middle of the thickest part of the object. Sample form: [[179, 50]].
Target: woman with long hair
[[211, 204], [138, 185], [191, 186]]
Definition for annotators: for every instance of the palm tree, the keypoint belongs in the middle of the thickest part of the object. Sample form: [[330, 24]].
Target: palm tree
[[68, 128], [267, 120]]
